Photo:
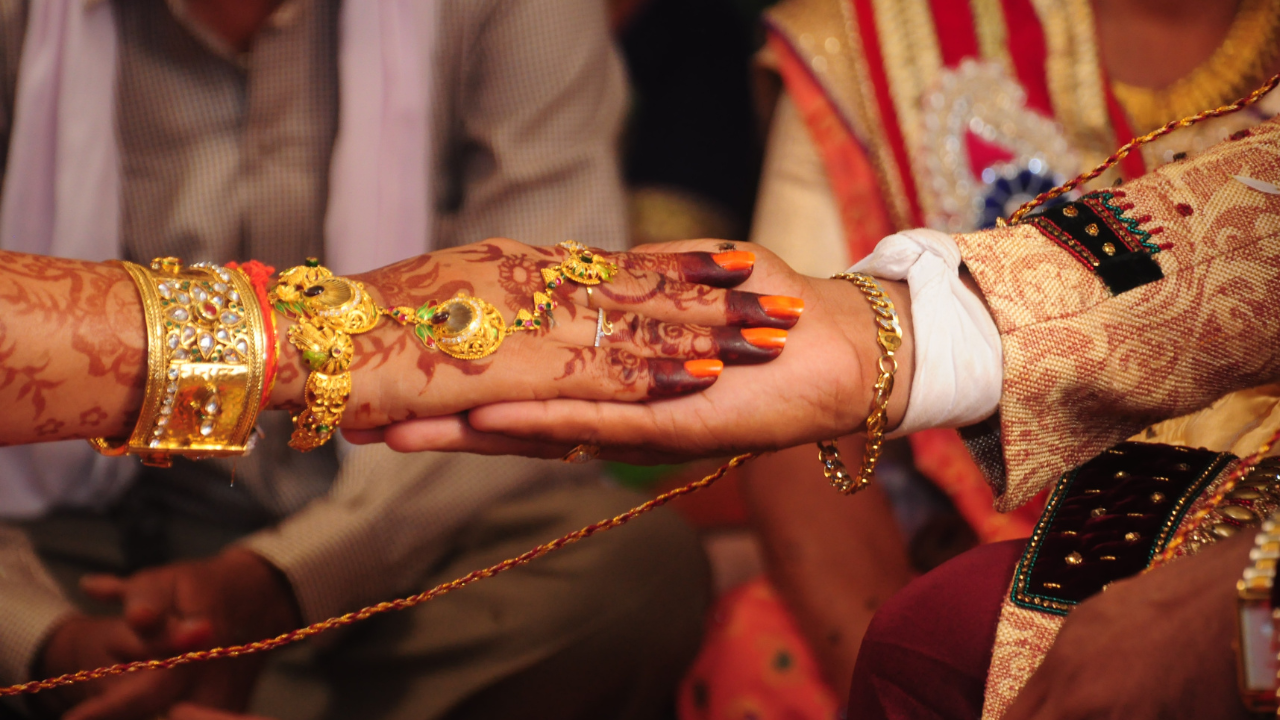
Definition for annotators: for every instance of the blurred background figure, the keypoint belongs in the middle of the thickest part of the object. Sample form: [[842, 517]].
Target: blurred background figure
[[230, 129]]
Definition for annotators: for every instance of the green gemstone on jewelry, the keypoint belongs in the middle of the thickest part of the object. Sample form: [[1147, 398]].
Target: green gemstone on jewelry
[[315, 358], [322, 429], [312, 262]]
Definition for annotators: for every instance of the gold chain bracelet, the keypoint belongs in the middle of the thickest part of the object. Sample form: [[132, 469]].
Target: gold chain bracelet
[[889, 337]]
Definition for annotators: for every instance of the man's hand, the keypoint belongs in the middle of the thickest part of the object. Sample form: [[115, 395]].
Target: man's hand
[[232, 598], [1159, 645], [82, 643]]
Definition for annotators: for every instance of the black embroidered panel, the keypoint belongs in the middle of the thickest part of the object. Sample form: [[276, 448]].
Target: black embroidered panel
[[1107, 519], [1098, 233]]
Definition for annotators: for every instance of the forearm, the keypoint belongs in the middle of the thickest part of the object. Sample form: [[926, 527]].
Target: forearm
[[73, 359], [806, 534], [73, 353]]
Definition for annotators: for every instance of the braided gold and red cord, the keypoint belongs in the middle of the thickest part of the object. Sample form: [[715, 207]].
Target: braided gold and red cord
[[1135, 143], [294, 636]]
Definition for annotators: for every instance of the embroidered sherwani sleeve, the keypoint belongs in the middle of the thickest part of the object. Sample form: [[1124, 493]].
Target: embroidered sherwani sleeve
[[1086, 368]]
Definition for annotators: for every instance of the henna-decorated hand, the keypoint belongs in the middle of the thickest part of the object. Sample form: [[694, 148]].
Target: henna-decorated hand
[[674, 326], [821, 387]]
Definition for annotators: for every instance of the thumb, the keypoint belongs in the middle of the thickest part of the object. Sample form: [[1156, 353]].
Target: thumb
[[103, 588], [148, 601]]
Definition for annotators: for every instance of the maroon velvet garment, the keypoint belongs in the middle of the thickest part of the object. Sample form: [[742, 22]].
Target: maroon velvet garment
[[927, 650]]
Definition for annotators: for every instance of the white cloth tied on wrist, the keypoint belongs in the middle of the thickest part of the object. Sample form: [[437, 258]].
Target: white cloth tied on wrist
[[959, 364]]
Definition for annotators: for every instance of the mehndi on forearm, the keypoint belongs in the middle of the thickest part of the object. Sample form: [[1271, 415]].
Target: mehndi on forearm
[[72, 349]]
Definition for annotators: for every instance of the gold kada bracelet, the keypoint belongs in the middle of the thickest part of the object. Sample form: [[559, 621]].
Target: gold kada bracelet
[[889, 336], [206, 356]]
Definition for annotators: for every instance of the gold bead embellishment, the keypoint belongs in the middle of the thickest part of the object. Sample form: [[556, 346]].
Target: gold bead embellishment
[[469, 328]]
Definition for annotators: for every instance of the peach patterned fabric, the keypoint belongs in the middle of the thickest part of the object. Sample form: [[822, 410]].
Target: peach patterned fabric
[[1085, 369]]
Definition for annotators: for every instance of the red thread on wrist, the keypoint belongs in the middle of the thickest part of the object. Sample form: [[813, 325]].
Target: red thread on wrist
[[259, 277]]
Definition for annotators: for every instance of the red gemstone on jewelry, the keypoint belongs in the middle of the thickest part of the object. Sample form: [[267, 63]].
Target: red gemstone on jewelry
[[208, 311]]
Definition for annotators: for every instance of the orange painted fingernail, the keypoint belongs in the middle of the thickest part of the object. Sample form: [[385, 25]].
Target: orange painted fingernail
[[781, 306], [768, 338], [703, 368], [735, 260]]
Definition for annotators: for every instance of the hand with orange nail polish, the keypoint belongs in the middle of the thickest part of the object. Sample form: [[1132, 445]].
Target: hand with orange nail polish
[[664, 324], [762, 398]]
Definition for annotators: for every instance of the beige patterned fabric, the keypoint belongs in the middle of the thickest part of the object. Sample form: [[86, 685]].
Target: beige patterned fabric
[[1085, 369], [1023, 638]]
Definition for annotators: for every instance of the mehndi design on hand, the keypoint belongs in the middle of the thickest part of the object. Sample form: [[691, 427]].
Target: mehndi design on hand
[[469, 328]]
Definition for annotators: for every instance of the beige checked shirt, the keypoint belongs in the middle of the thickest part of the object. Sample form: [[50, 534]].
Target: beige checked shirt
[[225, 156]]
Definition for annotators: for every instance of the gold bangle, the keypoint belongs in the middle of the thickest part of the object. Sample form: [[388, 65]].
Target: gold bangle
[[889, 337], [206, 356]]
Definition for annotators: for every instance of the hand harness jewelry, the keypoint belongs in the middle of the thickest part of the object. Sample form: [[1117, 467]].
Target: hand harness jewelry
[[329, 309]]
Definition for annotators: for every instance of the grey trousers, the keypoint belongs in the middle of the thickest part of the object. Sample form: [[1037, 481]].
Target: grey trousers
[[601, 629]]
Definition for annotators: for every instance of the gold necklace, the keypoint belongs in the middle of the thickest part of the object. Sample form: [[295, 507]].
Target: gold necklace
[[1246, 56]]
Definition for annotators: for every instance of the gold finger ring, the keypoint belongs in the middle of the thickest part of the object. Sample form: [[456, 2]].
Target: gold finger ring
[[582, 454], [582, 266]]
